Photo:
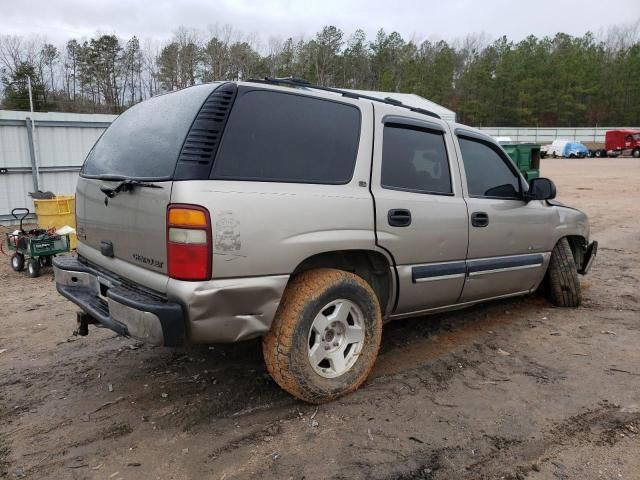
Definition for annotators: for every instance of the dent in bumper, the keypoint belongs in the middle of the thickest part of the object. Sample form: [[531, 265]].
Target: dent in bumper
[[229, 310], [216, 311]]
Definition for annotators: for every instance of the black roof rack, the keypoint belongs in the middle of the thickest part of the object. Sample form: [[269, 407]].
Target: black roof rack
[[301, 83]]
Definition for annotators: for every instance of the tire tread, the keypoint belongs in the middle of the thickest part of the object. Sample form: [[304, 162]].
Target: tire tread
[[563, 285]]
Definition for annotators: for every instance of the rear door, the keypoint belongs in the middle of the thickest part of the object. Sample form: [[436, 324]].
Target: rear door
[[421, 217], [509, 239], [125, 231]]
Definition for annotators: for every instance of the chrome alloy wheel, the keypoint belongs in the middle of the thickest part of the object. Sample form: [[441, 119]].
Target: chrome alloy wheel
[[336, 338]]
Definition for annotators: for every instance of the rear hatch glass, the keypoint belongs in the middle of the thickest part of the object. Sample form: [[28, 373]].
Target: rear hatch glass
[[145, 141], [143, 144]]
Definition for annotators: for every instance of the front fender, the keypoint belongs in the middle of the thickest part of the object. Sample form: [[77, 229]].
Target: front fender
[[571, 223]]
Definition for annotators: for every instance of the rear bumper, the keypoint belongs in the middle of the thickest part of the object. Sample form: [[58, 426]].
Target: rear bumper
[[213, 311], [120, 307], [588, 258]]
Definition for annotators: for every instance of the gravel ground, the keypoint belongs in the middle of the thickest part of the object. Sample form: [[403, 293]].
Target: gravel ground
[[512, 389]]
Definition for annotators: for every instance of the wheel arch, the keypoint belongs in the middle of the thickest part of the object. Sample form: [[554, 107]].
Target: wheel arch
[[578, 245], [371, 265]]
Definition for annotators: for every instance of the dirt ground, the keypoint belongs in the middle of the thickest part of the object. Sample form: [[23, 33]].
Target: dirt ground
[[513, 389]]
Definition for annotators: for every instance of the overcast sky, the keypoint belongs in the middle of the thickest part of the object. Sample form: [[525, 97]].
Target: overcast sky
[[58, 20]]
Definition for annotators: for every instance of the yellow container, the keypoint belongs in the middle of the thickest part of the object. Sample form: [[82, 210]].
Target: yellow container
[[57, 212]]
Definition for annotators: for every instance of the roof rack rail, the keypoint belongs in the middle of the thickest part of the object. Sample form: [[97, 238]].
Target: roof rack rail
[[301, 83]]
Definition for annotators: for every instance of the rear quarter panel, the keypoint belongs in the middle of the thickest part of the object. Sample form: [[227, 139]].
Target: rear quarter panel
[[261, 228], [268, 228]]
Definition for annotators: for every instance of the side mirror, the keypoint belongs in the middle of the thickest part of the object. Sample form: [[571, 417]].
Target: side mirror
[[540, 189]]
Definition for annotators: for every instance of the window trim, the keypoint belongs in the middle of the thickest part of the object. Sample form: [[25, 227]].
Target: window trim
[[465, 135], [412, 122], [244, 90], [417, 127]]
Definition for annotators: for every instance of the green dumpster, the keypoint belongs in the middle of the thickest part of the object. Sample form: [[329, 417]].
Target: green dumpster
[[526, 156]]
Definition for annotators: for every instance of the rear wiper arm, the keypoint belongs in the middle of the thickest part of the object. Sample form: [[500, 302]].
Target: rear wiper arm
[[125, 186]]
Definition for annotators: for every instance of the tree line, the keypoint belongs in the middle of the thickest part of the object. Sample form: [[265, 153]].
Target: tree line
[[561, 80]]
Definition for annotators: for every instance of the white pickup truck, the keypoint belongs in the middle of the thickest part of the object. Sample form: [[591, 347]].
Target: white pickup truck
[[564, 148]]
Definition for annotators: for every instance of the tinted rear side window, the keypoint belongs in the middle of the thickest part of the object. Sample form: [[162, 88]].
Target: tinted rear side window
[[281, 137], [145, 141], [415, 160]]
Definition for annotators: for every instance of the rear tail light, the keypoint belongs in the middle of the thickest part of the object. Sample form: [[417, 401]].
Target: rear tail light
[[188, 242]]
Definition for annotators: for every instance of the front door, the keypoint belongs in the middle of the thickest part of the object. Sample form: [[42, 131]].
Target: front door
[[509, 239], [421, 217]]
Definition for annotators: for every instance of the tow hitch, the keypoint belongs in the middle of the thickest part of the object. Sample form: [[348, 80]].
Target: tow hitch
[[84, 319]]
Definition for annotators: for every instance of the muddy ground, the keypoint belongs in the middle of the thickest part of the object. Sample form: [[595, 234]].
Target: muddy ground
[[513, 389]]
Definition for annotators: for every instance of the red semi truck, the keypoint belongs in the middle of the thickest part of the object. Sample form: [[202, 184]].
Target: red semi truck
[[621, 142]]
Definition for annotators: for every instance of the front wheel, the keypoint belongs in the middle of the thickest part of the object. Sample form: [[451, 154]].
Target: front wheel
[[17, 262], [325, 336], [561, 281], [636, 153]]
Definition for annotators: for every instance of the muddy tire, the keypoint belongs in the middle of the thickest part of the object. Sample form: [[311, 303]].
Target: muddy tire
[[325, 336], [561, 282]]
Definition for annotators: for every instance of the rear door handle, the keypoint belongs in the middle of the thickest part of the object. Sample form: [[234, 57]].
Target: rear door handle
[[479, 219], [399, 217]]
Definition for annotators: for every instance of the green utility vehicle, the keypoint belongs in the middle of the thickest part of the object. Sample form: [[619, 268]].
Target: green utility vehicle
[[35, 247]]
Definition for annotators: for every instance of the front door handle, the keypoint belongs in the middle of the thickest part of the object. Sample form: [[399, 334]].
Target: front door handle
[[479, 219], [399, 217]]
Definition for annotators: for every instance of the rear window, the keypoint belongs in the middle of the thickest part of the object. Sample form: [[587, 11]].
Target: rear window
[[145, 141], [281, 137]]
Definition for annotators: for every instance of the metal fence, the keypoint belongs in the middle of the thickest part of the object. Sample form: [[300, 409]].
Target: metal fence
[[548, 135], [43, 151]]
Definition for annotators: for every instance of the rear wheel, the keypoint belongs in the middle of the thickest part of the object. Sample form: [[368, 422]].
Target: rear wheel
[[17, 262], [325, 337], [598, 153], [636, 153], [33, 267], [47, 260], [561, 281]]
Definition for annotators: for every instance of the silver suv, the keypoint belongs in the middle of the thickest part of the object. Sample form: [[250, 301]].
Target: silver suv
[[308, 216]]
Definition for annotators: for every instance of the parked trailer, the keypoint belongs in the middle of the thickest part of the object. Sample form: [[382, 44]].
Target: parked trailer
[[621, 142]]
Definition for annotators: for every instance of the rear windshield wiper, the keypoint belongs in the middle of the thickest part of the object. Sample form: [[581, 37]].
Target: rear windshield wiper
[[126, 185]]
